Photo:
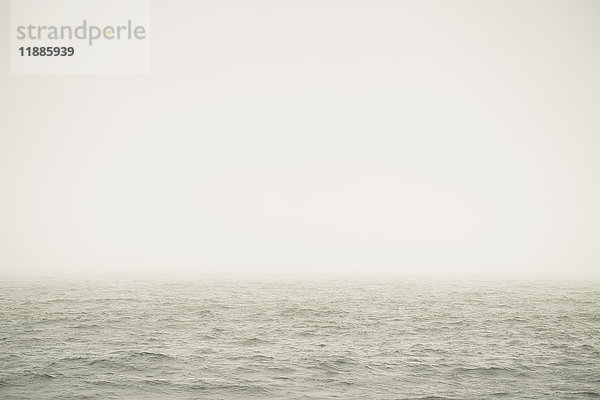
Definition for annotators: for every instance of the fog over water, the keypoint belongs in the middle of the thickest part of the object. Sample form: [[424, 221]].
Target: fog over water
[[291, 137], [317, 199]]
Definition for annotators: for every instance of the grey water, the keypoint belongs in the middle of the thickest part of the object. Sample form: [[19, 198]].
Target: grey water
[[299, 339]]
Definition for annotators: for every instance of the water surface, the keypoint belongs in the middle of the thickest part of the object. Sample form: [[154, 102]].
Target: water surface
[[304, 339]]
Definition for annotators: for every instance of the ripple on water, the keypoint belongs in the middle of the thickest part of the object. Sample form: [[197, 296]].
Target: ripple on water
[[294, 340]]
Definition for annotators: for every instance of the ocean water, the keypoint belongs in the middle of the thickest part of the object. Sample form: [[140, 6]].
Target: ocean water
[[304, 339]]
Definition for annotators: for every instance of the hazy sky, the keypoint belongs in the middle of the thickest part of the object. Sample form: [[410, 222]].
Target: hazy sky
[[304, 136]]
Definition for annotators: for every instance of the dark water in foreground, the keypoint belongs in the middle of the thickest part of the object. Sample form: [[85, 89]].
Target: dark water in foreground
[[299, 340]]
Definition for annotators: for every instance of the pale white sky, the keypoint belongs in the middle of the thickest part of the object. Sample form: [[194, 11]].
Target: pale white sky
[[305, 136]]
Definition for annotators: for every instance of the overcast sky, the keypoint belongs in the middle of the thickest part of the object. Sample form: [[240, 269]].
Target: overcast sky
[[315, 136]]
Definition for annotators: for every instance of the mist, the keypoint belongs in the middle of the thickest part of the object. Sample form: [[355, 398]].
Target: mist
[[285, 138]]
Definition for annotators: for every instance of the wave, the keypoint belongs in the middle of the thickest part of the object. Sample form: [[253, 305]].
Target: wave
[[312, 343], [37, 376], [254, 341], [151, 355], [433, 398], [113, 365], [306, 311], [208, 337], [587, 394], [485, 371]]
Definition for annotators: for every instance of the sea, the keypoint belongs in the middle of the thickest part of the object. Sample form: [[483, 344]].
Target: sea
[[309, 338]]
